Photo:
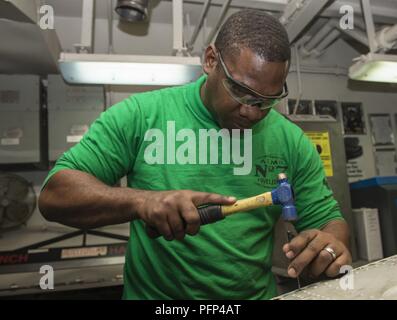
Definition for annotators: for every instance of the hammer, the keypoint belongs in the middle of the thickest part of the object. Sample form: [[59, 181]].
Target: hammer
[[283, 195]]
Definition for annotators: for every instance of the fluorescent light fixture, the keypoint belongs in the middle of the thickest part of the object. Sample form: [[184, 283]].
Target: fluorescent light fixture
[[128, 69], [375, 67]]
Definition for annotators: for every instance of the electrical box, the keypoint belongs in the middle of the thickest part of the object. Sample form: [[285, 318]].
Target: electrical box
[[353, 118], [19, 119], [326, 107], [303, 107], [71, 110], [368, 236], [358, 145]]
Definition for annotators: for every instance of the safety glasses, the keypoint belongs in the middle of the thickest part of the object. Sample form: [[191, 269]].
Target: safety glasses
[[247, 96]]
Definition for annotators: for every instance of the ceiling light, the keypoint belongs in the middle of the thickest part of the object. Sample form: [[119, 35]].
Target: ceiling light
[[129, 69], [375, 67]]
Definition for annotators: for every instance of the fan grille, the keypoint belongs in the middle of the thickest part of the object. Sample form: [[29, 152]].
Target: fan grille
[[17, 200]]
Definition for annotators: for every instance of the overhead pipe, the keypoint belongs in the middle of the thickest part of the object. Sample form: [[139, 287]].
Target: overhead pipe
[[290, 9], [307, 48], [383, 40], [334, 34], [224, 9], [107, 88], [177, 27], [110, 27], [298, 14], [356, 35], [387, 37], [327, 34], [298, 71], [87, 27], [327, 41], [370, 26], [335, 70], [359, 23], [196, 31]]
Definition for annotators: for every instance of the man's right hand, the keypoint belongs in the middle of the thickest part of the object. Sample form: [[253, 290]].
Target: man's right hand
[[173, 214]]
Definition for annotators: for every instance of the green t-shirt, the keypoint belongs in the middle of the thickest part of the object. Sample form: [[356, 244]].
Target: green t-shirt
[[230, 259]]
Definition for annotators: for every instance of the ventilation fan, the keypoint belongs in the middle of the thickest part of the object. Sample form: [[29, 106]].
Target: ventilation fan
[[17, 201]]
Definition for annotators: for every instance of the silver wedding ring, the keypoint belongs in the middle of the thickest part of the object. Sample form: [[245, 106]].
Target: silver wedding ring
[[331, 252]]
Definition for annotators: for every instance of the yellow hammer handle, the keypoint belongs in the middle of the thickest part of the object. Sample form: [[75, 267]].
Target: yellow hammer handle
[[261, 200]]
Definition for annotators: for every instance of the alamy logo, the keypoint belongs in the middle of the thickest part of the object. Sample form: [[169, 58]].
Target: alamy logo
[[46, 17], [47, 280], [347, 20], [347, 281], [200, 149]]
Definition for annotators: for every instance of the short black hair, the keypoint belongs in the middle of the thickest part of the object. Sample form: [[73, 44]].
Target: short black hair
[[256, 30]]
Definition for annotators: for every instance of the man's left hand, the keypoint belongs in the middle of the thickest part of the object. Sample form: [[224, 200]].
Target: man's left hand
[[309, 250]]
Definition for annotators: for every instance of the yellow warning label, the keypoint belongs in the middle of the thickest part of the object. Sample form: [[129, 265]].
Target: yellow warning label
[[321, 141]]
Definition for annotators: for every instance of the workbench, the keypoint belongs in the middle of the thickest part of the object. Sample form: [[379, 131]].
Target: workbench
[[376, 280]]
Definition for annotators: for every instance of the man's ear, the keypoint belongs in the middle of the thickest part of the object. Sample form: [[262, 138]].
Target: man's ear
[[210, 59]]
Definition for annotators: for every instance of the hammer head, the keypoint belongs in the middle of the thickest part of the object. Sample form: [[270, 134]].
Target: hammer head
[[284, 195]]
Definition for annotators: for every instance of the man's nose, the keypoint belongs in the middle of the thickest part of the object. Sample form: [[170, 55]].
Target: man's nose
[[250, 112]]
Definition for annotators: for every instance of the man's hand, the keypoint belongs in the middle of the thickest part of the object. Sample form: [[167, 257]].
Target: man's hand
[[307, 250], [174, 213]]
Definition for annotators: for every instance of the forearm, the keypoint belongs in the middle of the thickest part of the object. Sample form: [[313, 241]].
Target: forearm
[[77, 199], [339, 229]]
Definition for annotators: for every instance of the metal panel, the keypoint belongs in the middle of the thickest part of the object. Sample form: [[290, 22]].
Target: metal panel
[[19, 119], [62, 96], [71, 110], [66, 128], [19, 93]]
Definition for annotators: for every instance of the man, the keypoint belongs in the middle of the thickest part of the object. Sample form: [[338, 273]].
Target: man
[[246, 70]]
